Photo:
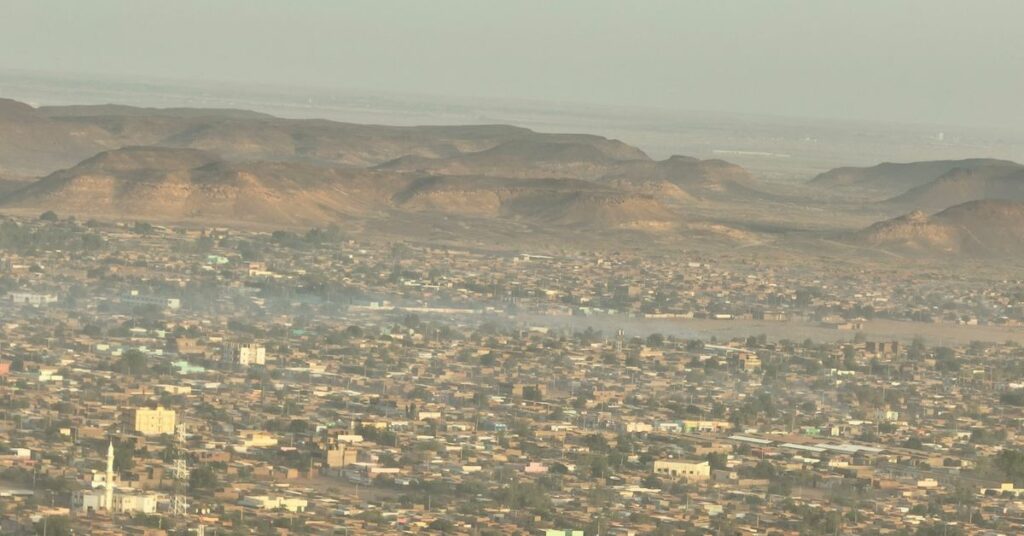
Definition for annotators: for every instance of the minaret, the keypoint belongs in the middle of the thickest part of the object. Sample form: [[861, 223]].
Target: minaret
[[110, 476]]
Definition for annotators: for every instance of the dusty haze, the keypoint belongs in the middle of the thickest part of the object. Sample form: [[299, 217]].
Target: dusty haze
[[936, 61]]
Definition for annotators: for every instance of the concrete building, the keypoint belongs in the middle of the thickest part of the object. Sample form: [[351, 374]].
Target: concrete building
[[245, 354], [31, 298], [341, 456], [690, 471], [135, 502], [123, 501], [89, 500], [156, 421]]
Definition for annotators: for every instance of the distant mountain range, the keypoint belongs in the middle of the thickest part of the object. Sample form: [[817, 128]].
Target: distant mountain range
[[229, 165], [77, 132], [232, 166], [894, 179], [930, 186], [188, 184], [977, 206]]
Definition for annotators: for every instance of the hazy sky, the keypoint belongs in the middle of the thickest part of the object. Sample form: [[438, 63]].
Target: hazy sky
[[930, 61]]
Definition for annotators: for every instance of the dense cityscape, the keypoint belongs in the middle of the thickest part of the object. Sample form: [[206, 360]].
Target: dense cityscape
[[175, 380], [459, 267]]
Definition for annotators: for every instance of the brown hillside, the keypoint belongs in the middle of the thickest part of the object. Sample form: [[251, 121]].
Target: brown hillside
[[976, 228], [891, 179], [961, 185]]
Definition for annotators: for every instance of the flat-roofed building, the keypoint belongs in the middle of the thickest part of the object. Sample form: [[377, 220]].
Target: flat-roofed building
[[690, 471], [155, 421], [245, 354]]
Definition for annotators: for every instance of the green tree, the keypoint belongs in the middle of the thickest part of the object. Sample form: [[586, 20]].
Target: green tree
[[132, 362], [202, 478], [717, 460], [1011, 464], [124, 456]]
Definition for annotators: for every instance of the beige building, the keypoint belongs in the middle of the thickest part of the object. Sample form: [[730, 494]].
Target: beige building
[[689, 471], [147, 421], [245, 354], [341, 456], [256, 439]]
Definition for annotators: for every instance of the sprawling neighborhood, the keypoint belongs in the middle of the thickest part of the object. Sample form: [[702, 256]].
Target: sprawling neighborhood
[[164, 380]]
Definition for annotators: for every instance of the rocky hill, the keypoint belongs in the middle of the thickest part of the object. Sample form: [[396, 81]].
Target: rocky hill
[[961, 185], [234, 165], [690, 176], [32, 144], [243, 135], [218, 165], [527, 159], [678, 178], [161, 183], [892, 179], [976, 228], [565, 202]]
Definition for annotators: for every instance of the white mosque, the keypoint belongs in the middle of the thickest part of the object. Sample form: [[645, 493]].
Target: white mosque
[[106, 496]]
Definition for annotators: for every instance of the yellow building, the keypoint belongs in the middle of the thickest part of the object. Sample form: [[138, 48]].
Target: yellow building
[[683, 470], [157, 421]]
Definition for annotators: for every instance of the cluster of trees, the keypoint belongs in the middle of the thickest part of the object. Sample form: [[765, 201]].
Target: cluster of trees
[[1013, 398], [202, 479], [753, 407], [132, 362], [66, 236], [1010, 463], [311, 239]]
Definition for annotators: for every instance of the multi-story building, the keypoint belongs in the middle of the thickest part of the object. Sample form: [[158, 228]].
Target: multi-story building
[[245, 354], [148, 421], [341, 456]]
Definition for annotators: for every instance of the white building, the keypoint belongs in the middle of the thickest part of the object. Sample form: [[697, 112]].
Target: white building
[[125, 501], [109, 499], [135, 502], [31, 298], [245, 354]]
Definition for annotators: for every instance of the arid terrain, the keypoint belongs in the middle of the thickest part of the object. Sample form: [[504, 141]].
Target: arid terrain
[[484, 185], [503, 268]]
